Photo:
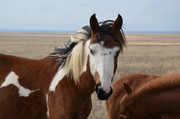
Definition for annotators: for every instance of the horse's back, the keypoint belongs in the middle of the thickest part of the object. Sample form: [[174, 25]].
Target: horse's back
[[9, 64], [6, 61], [34, 74], [135, 81]]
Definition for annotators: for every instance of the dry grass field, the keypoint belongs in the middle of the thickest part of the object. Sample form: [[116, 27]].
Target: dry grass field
[[157, 54]]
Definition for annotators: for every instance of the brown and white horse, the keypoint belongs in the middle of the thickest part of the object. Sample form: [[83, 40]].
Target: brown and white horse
[[158, 99], [135, 81], [60, 85]]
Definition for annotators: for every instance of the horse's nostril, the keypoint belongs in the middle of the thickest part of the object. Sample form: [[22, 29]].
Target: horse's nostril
[[111, 90], [98, 86], [102, 95]]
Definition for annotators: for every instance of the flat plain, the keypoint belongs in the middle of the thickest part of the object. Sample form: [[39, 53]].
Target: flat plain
[[157, 54]]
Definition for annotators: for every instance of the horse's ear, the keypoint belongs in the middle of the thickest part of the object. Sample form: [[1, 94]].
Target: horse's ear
[[94, 24], [127, 88], [118, 23]]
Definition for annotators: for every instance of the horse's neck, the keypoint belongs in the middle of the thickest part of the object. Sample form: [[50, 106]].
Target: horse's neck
[[48, 70], [86, 83]]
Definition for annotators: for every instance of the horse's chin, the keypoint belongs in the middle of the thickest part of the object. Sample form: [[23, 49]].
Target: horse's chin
[[101, 94]]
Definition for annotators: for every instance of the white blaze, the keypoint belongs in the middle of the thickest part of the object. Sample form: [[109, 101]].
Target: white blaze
[[102, 61]]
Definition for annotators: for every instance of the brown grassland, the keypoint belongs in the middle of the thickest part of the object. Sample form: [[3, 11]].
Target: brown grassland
[[157, 54]]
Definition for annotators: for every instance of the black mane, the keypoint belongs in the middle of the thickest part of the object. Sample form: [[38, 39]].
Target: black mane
[[63, 52], [107, 22]]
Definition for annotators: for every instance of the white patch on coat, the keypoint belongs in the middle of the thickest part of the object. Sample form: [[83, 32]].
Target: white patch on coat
[[57, 78], [12, 78], [47, 105], [102, 61]]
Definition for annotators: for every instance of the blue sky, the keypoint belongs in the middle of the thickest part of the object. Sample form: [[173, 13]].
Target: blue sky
[[138, 15]]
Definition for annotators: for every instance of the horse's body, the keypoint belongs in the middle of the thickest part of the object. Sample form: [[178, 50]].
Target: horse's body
[[156, 99], [60, 85], [33, 75], [135, 81]]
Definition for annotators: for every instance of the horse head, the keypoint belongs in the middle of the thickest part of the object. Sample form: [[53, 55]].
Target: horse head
[[107, 41]]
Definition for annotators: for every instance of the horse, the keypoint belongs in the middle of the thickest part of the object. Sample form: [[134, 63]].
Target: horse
[[158, 99], [135, 81], [60, 85]]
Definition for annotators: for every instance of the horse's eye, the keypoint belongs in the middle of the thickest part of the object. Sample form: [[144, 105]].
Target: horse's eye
[[92, 52]]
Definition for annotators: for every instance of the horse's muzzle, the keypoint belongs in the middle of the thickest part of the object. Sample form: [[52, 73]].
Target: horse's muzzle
[[101, 94]]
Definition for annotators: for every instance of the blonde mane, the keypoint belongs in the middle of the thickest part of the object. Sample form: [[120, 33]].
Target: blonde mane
[[75, 61], [72, 56]]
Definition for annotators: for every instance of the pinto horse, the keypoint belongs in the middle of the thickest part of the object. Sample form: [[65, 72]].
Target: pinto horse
[[158, 99], [60, 85], [135, 81]]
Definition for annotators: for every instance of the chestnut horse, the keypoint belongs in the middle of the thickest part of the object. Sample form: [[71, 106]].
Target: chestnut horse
[[135, 81], [60, 85], [158, 99]]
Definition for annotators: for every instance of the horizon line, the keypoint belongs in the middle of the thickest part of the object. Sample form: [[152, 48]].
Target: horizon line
[[74, 31]]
